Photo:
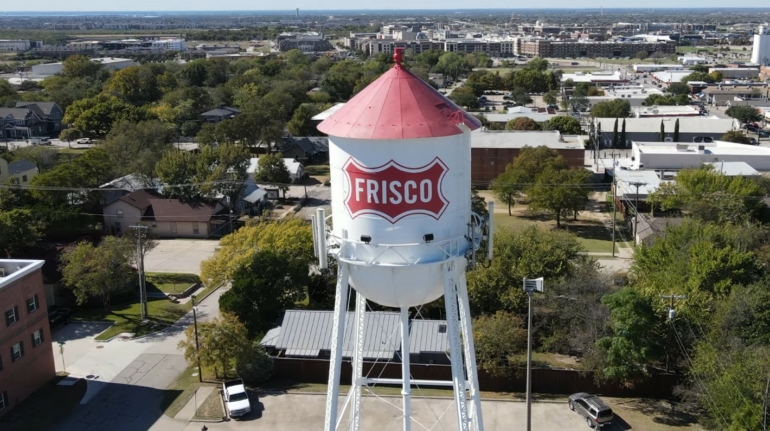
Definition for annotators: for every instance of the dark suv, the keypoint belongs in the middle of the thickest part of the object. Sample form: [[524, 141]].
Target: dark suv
[[592, 408]]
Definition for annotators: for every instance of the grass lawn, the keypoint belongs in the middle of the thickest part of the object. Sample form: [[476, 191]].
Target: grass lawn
[[171, 282], [127, 316], [317, 170], [211, 408], [181, 391], [591, 233], [45, 407]]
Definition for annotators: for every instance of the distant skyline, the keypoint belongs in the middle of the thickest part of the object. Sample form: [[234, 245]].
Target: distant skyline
[[170, 6]]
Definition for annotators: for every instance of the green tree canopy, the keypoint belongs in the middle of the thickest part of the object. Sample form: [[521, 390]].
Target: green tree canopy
[[464, 96], [522, 123], [611, 109], [95, 116], [498, 338], [559, 191], [218, 345], [566, 125], [744, 114], [136, 85], [735, 136]]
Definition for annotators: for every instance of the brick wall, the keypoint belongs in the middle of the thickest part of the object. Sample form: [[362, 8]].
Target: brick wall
[[488, 163], [36, 367]]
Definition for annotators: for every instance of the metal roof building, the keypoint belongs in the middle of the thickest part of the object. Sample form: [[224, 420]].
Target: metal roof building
[[307, 334]]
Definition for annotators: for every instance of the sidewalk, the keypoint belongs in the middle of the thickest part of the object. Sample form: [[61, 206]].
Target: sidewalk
[[188, 411]]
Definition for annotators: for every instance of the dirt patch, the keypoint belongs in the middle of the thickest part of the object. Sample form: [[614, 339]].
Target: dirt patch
[[653, 415]]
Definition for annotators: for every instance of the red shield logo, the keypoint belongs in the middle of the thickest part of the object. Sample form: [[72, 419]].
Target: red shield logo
[[393, 191]]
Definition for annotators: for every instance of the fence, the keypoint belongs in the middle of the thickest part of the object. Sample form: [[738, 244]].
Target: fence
[[544, 380]]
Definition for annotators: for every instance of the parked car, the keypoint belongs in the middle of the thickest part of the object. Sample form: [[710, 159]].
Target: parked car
[[236, 398], [40, 140], [84, 141], [763, 134], [59, 316], [592, 409]]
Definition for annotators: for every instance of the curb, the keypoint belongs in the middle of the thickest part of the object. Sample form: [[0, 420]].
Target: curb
[[212, 291], [208, 421]]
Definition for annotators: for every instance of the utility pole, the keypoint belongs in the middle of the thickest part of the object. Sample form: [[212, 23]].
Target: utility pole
[[197, 346], [671, 317], [636, 207], [531, 285], [614, 203], [765, 404], [140, 229]]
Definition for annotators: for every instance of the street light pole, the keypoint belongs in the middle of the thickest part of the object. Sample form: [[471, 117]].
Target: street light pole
[[531, 286], [197, 345], [140, 269]]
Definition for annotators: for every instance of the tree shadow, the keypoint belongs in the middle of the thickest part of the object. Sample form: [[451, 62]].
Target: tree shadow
[[665, 412]]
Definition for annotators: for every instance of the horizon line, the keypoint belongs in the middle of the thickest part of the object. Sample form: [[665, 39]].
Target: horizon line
[[292, 10]]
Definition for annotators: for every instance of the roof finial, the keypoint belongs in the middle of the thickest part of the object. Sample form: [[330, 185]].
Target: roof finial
[[398, 54]]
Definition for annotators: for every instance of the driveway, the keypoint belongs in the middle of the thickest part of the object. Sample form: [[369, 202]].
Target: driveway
[[78, 339], [179, 255]]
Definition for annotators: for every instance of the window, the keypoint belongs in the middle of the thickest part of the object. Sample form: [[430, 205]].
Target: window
[[3, 400], [120, 213], [32, 304], [154, 225], [11, 316], [23, 178], [195, 227], [173, 227], [17, 351], [37, 337], [117, 227]]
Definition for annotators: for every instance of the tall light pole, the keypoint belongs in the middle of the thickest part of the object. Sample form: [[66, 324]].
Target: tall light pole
[[531, 285], [197, 345]]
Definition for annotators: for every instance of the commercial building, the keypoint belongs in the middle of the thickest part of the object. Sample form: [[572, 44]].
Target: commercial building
[[588, 48], [670, 77], [666, 111], [634, 95], [646, 68], [26, 355], [760, 52], [168, 45], [736, 72], [672, 155], [648, 129], [18, 45], [597, 78], [691, 60], [539, 115], [492, 151], [112, 63]]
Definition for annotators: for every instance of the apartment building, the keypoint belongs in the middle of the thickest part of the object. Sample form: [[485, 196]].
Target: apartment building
[[15, 45], [583, 48], [168, 45], [26, 355]]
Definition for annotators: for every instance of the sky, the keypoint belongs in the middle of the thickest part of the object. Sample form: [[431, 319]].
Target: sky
[[239, 5]]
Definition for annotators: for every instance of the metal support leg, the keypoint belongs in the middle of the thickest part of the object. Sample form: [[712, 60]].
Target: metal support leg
[[358, 363], [406, 385], [338, 334], [455, 345], [470, 354]]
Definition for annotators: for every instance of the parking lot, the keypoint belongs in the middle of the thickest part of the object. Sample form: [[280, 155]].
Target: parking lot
[[304, 412], [179, 255], [78, 339]]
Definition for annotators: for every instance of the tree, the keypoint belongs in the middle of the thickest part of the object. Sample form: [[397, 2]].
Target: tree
[[657, 57], [135, 148], [254, 365], [623, 140], [641, 55], [464, 96], [566, 125], [220, 343], [95, 116], [710, 196], [520, 97], [263, 289], [507, 187], [522, 123], [80, 66], [340, 80], [678, 88], [560, 190], [611, 109], [744, 114], [735, 136], [136, 85], [549, 98], [301, 123], [537, 64], [213, 171], [716, 75], [292, 238], [666, 100], [615, 136], [530, 81], [498, 339], [697, 76], [194, 73], [525, 252], [676, 130], [272, 169], [98, 271], [88, 171], [18, 229], [636, 340]]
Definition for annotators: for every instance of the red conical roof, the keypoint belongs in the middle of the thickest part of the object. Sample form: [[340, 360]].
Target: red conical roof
[[398, 105]]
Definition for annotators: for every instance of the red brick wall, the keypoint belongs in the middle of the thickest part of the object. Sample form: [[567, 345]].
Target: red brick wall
[[19, 379], [488, 163]]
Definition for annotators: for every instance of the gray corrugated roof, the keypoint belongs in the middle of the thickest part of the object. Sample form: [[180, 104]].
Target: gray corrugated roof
[[307, 333], [45, 108], [20, 166], [17, 113]]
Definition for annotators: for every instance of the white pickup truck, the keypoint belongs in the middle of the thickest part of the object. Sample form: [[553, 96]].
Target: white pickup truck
[[236, 398]]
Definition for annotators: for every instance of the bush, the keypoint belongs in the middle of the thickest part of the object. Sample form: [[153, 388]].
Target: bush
[[254, 366]]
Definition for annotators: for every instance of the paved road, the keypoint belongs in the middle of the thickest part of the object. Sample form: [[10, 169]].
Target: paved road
[[78, 339], [127, 379]]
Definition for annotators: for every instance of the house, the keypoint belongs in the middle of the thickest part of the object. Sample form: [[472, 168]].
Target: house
[[492, 151], [648, 129], [21, 123], [26, 351], [253, 198], [309, 149], [124, 185], [649, 228], [19, 172], [128, 210], [295, 168], [308, 333], [49, 112], [219, 114], [173, 218]]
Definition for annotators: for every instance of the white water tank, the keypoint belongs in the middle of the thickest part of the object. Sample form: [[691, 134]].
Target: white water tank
[[400, 160]]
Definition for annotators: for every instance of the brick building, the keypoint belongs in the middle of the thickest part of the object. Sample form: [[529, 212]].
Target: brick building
[[587, 48], [26, 355], [492, 151]]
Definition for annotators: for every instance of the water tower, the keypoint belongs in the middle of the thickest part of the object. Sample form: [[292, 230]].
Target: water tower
[[401, 230]]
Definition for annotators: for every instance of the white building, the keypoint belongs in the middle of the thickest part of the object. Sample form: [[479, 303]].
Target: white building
[[169, 45], [644, 68], [14, 45], [689, 61], [736, 72], [112, 63], [634, 95], [295, 168], [760, 53], [672, 155], [665, 111], [671, 76], [599, 78]]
